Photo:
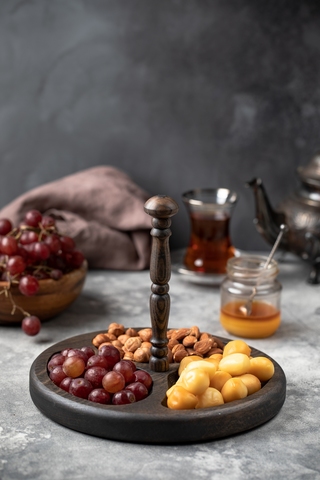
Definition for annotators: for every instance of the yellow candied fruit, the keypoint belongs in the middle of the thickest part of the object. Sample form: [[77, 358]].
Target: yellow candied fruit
[[181, 399], [195, 381], [209, 367], [236, 346], [234, 389], [219, 379], [210, 398], [215, 361], [252, 382], [186, 360], [262, 368], [215, 356], [236, 364], [170, 390]]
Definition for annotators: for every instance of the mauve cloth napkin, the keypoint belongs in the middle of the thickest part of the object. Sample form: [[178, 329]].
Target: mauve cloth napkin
[[102, 209]]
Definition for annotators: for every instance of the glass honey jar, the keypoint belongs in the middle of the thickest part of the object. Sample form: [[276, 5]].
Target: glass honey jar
[[246, 275]]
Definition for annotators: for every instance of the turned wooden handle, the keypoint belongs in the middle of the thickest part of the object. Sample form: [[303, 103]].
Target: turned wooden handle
[[161, 208]]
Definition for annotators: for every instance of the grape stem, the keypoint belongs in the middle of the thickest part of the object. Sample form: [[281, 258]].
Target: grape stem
[[15, 307]]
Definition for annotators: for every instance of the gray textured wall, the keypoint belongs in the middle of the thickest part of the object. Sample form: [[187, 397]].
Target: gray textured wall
[[179, 94]]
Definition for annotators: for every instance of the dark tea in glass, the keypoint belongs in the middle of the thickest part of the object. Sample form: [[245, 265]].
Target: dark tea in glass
[[210, 245]]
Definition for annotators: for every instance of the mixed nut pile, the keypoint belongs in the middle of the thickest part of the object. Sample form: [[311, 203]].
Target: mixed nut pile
[[210, 373], [134, 344]]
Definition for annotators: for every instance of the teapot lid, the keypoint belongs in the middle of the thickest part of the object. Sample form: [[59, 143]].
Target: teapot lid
[[310, 174]]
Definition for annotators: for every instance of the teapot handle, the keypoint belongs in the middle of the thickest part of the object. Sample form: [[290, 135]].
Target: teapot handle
[[312, 252]]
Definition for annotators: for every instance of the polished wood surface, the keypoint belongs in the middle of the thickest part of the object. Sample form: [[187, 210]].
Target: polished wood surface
[[161, 208]]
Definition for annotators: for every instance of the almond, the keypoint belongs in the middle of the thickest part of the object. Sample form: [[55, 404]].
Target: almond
[[180, 334], [176, 348], [195, 332], [172, 343], [170, 333], [203, 346], [189, 341], [180, 354], [219, 343], [205, 336], [214, 350], [191, 351]]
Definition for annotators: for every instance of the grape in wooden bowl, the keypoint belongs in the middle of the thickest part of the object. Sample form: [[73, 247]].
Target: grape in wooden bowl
[[52, 297], [41, 271]]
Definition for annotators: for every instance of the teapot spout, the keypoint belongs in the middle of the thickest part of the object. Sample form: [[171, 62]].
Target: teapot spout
[[267, 220]]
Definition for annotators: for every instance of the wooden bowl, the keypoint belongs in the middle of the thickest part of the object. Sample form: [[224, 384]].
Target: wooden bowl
[[150, 421], [52, 298]]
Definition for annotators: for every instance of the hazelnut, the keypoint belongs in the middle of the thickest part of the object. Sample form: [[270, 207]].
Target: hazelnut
[[128, 356], [123, 338], [100, 338], [117, 344], [145, 334], [142, 355], [104, 343], [112, 336], [121, 353], [132, 344], [131, 332], [116, 329]]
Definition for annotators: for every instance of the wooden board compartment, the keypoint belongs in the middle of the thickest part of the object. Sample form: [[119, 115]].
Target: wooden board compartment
[[150, 421]]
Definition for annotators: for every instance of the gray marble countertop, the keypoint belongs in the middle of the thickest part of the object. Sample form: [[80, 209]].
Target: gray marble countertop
[[34, 447]]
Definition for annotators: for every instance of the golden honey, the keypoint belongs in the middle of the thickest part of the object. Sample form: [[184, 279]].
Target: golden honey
[[263, 321], [246, 274]]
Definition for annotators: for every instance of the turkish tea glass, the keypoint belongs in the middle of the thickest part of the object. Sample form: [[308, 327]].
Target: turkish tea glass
[[210, 245]]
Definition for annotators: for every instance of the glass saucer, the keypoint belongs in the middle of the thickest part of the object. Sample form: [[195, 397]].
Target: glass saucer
[[201, 278]]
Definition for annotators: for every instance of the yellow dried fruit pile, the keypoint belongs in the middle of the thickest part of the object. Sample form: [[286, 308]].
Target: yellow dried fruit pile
[[219, 379]]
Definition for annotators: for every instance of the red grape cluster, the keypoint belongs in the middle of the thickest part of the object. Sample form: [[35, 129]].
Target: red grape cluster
[[100, 377], [34, 251]]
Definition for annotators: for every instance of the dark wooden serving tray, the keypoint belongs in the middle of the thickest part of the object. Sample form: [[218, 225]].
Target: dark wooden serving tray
[[150, 421]]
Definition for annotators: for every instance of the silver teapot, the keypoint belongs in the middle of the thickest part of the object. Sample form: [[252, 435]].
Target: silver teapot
[[300, 212]]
